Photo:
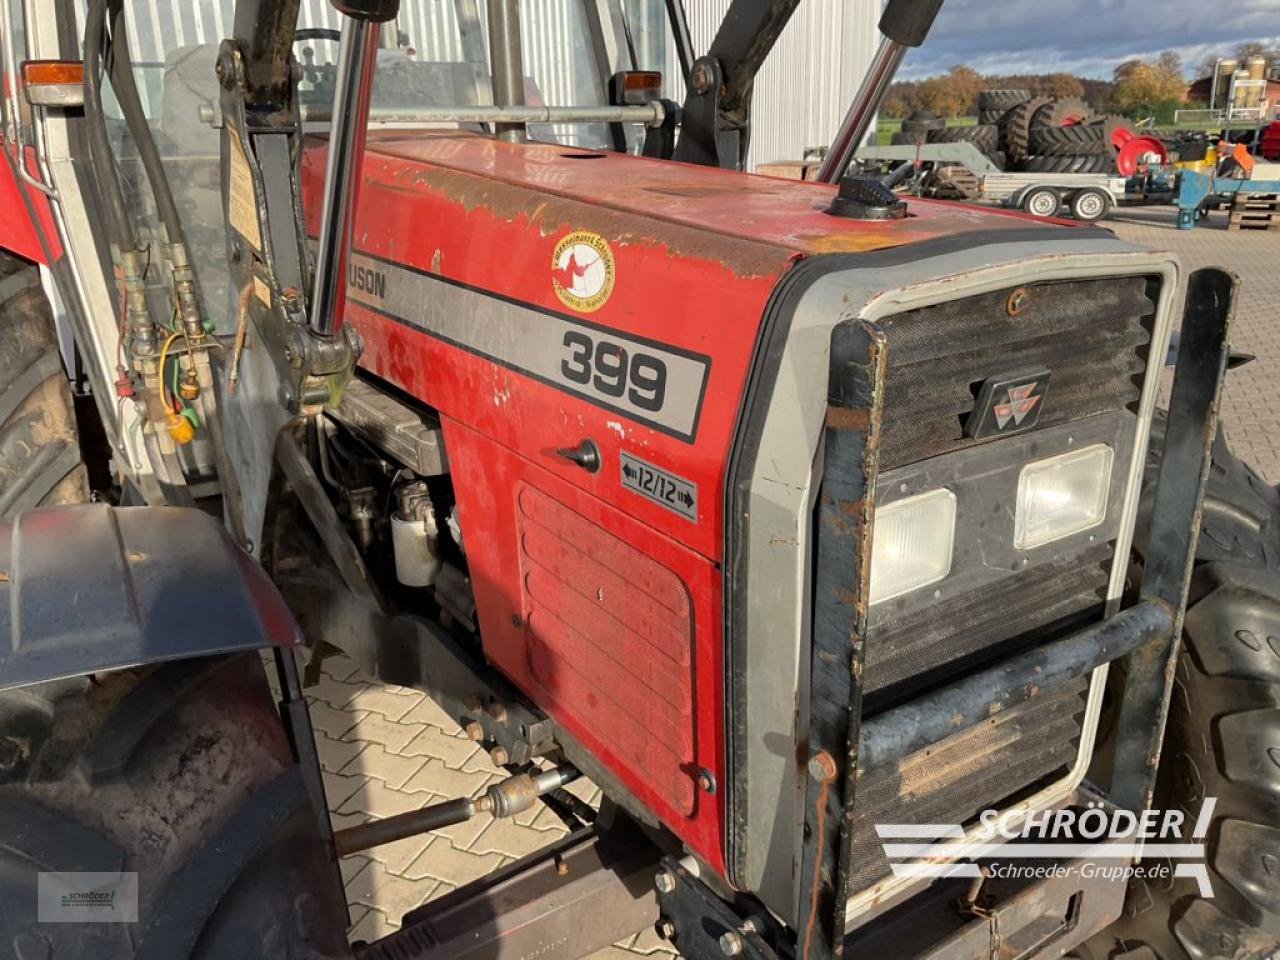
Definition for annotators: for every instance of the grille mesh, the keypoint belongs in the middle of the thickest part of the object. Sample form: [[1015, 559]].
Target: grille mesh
[[956, 779], [919, 644], [1090, 335]]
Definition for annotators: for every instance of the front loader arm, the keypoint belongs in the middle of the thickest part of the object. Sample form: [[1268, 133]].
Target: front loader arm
[[291, 355]]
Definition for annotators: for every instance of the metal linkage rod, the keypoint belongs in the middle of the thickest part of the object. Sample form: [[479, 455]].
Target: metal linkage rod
[[650, 114], [505, 799]]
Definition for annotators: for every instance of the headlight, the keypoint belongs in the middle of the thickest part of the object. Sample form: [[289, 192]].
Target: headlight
[[1062, 495], [911, 543]]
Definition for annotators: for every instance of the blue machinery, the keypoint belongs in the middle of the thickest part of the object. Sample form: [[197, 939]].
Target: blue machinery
[[1195, 188]]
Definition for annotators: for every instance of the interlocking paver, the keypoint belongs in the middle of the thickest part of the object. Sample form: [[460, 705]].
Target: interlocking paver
[[378, 729], [508, 838], [339, 666], [377, 762], [336, 693], [377, 887], [336, 754], [390, 702], [452, 751], [428, 711], [436, 777], [376, 799], [1250, 403], [441, 860], [331, 721], [349, 867], [338, 787], [463, 835], [399, 855]]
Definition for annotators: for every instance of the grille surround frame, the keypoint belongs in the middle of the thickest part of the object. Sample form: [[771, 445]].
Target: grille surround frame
[[779, 458], [861, 904]]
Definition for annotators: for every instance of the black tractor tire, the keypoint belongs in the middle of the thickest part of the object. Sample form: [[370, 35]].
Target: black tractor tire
[[1061, 112], [181, 774], [999, 159], [40, 459], [1015, 128], [904, 139], [1112, 122], [1078, 140], [983, 136], [1222, 739], [991, 116], [1001, 101], [1074, 163]]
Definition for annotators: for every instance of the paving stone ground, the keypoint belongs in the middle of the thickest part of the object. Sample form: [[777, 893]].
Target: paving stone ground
[[386, 749], [1251, 405]]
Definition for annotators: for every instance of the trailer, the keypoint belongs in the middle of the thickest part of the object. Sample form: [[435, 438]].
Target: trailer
[[1087, 196]]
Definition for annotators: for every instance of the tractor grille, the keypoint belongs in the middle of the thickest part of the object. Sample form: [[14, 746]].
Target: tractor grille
[[991, 765], [905, 654], [1091, 334]]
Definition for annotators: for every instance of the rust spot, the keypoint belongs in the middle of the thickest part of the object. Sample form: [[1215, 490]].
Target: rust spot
[[1017, 302], [423, 164], [845, 597], [849, 418], [857, 509]]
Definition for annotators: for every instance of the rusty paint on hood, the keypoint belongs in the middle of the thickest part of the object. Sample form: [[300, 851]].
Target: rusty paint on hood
[[716, 214]]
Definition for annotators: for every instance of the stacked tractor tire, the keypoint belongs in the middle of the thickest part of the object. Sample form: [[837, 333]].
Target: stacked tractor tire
[[1022, 133]]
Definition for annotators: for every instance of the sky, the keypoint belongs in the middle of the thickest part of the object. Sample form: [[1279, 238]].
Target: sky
[[1085, 37]]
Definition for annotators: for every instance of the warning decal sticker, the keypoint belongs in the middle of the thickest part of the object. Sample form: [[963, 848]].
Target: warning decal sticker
[[582, 271]]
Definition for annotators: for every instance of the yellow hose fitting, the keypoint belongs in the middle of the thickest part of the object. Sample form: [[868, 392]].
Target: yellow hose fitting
[[180, 429]]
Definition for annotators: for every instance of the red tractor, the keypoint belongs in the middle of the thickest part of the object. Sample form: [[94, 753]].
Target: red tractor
[[837, 537]]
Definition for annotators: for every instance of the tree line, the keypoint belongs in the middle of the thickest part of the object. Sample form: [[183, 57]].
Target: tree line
[[1153, 87]]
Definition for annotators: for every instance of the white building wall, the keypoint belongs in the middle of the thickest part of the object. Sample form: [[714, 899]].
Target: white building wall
[[806, 85], [800, 96]]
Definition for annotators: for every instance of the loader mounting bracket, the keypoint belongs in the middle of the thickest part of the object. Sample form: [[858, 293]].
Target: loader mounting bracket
[[267, 253]]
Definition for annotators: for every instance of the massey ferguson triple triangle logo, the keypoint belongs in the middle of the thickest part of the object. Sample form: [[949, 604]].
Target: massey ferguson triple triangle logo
[[1008, 403], [1022, 400]]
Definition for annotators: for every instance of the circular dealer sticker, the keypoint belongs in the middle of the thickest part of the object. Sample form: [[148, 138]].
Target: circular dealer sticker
[[582, 271]]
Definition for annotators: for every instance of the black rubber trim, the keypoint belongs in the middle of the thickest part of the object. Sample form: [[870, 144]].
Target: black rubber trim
[[192, 893], [775, 329]]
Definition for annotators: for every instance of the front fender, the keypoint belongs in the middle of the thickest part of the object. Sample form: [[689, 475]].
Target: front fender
[[91, 588]]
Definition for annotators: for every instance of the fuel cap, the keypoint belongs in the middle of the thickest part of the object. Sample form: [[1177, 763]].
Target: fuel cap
[[866, 198]]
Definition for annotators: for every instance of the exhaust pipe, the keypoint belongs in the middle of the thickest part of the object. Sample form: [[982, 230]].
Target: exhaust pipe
[[905, 23], [353, 87]]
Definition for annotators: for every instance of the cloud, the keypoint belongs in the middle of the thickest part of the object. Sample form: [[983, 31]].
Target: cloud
[[1088, 37]]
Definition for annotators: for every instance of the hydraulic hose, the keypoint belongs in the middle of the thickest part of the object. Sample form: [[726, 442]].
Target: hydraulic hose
[[100, 156], [126, 89]]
